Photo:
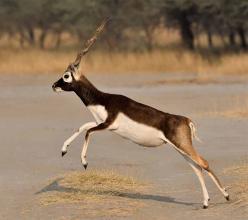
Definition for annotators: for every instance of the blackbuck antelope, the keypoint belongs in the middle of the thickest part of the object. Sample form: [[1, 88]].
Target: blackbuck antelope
[[140, 123]]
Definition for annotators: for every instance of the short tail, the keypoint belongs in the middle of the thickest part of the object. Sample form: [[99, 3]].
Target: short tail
[[193, 132]]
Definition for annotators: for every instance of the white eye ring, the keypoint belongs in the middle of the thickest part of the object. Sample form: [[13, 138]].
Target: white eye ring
[[67, 77]]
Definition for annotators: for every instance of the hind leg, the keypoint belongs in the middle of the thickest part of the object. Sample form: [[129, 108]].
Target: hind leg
[[217, 183], [198, 171], [205, 165], [191, 155], [181, 140]]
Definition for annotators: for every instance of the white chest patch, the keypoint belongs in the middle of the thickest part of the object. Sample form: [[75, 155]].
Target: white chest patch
[[99, 113], [137, 132]]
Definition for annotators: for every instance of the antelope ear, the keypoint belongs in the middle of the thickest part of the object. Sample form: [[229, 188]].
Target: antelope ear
[[77, 73]]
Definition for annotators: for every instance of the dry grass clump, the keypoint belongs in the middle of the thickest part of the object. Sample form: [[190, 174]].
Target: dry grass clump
[[36, 61], [33, 61], [236, 112], [97, 192], [240, 188], [239, 109]]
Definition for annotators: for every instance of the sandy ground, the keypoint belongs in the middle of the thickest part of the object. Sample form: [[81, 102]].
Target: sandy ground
[[34, 122]]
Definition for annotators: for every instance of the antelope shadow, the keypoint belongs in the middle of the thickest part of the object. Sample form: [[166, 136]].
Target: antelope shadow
[[55, 186]]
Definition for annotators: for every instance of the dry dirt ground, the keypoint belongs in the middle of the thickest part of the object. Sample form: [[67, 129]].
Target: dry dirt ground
[[34, 122]]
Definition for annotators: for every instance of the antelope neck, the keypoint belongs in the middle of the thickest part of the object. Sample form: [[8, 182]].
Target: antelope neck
[[87, 92]]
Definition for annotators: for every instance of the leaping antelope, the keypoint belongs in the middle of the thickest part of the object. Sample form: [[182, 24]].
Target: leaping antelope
[[135, 121]]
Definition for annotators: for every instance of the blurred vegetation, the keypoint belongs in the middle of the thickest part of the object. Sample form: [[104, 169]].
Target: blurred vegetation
[[133, 25]]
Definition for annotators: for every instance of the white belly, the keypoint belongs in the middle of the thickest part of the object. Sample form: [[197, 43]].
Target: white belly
[[126, 127], [137, 132]]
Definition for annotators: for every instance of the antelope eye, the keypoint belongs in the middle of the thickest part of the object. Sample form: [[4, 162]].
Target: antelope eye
[[66, 76]]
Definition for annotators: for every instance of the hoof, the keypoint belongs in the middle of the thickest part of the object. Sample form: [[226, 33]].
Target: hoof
[[63, 153], [227, 198], [85, 166], [205, 207]]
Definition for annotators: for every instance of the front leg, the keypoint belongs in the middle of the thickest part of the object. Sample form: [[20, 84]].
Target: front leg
[[99, 127], [84, 127]]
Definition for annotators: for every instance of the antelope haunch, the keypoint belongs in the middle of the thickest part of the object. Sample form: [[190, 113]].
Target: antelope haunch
[[137, 122]]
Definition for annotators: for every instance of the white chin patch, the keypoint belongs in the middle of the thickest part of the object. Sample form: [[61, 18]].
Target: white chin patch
[[58, 89]]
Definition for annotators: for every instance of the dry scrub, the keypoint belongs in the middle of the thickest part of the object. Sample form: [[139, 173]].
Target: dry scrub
[[238, 109], [231, 113], [35, 61], [236, 113], [239, 189], [97, 192]]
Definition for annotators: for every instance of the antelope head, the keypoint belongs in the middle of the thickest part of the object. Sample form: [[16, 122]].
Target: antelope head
[[71, 75]]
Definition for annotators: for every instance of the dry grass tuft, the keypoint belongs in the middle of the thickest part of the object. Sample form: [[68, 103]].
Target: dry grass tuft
[[240, 188], [36, 61], [237, 112], [97, 192], [33, 61]]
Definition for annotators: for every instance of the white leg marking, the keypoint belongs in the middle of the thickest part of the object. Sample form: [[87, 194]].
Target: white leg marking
[[223, 191], [80, 130], [198, 172], [84, 151]]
